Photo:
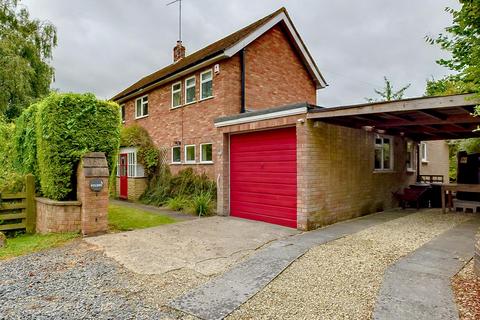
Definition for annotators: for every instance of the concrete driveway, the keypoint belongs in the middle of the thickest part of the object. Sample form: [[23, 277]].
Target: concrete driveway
[[207, 245]]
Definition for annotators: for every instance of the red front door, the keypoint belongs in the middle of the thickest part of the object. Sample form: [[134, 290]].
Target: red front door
[[123, 176], [263, 176]]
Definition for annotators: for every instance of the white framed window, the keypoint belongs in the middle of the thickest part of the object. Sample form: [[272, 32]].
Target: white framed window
[[206, 153], [383, 153], [190, 90], [132, 164], [176, 154], [141, 107], [423, 152], [190, 153], [122, 112], [176, 95], [206, 84]]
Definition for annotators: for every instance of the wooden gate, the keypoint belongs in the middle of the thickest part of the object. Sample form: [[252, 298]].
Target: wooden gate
[[17, 210]]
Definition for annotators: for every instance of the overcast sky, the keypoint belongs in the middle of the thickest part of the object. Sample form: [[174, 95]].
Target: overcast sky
[[106, 45]]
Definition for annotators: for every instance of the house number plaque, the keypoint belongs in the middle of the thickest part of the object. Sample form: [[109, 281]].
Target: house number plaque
[[96, 185]]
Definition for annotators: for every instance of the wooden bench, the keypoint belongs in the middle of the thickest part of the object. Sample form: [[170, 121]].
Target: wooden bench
[[409, 195], [465, 205]]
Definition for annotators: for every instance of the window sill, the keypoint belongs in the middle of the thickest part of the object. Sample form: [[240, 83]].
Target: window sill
[[424, 161], [207, 98], [175, 163], [383, 171], [137, 118], [190, 162], [173, 108], [206, 162], [411, 170], [189, 103]]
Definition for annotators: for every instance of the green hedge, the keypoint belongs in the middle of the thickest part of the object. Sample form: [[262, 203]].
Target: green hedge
[[67, 127], [10, 179], [25, 140]]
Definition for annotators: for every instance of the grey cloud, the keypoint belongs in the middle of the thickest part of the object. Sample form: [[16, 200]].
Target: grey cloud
[[104, 46]]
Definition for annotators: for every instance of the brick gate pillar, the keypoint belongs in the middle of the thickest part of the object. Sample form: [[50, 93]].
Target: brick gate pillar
[[92, 191]]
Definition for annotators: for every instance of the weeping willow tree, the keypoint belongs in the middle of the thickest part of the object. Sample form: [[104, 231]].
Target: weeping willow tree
[[26, 46]]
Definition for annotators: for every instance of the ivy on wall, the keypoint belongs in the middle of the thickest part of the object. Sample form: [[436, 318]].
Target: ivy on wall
[[148, 154]]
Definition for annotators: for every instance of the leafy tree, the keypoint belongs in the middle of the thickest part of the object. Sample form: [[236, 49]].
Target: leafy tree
[[26, 46], [448, 85], [388, 93], [462, 41]]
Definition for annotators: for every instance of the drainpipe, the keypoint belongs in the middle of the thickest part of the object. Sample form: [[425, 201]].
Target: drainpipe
[[242, 68]]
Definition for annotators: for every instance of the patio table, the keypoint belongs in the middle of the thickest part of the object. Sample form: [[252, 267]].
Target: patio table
[[455, 187]]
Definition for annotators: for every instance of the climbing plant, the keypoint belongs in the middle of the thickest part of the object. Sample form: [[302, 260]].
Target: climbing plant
[[147, 153]]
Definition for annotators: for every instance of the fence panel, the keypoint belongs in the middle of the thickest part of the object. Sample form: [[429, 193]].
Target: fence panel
[[17, 210]]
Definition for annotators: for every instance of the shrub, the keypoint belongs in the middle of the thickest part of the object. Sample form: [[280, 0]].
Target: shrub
[[178, 203], [25, 141], [186, 183], [10, 179], [202, 204], [148, 154], [67, 127]]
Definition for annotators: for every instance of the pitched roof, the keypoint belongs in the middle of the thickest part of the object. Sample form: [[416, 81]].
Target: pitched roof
[[227, 47]]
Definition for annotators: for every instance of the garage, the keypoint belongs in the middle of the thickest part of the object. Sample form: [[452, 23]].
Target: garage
[[263, 176]]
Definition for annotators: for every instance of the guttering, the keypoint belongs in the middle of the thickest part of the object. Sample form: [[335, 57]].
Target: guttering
[[259, 117], [172, 77]]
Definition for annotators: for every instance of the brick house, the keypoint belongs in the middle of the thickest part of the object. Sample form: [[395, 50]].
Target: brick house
[[243, 110]]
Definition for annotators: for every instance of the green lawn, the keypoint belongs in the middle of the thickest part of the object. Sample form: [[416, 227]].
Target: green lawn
[[28, 243], [122, 218]]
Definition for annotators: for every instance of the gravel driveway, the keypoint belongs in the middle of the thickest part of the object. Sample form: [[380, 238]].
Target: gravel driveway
[[78, 282], [341, 279]]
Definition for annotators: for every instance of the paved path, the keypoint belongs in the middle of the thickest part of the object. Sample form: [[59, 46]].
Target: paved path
[[419, 285], [218, 298]]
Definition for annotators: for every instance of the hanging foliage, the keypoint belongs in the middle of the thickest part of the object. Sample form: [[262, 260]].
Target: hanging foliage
[[147, 153]]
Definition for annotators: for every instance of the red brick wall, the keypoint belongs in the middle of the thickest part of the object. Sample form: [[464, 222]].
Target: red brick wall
[[275, 75]]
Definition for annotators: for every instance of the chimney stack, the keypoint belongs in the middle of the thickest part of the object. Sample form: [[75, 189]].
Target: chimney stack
[[178, 52]]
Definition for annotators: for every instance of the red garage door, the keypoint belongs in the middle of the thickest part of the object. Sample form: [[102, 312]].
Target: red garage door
[[263, 176]]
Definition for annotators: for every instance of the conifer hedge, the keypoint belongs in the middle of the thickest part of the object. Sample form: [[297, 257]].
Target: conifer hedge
[[68, 126], [25, 141]]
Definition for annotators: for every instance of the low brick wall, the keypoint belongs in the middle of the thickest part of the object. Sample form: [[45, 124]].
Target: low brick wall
[[58, 216]]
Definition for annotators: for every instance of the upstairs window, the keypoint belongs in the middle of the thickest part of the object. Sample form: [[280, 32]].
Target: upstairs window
[[176, 151], [176, 94], [206, 84], [383, 153], [190, 90], [141, 107], [206, 153], [122, 112]]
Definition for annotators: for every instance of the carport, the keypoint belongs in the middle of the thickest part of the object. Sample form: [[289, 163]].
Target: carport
[[418, 119]]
